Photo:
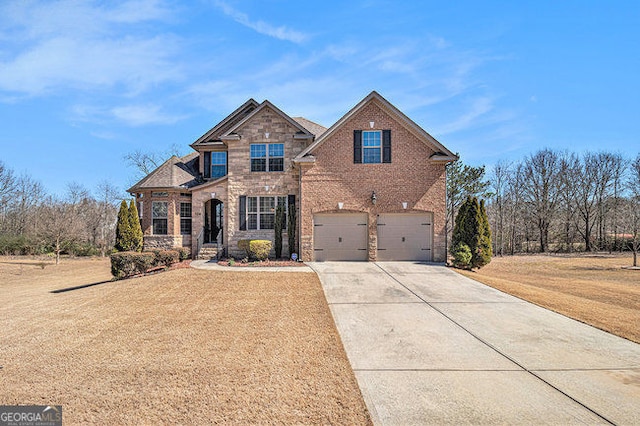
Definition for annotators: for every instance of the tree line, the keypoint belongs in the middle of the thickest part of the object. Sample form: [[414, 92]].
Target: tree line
[[554, 201], [34, 222]]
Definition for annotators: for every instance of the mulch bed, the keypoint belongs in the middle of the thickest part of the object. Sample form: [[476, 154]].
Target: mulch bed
[[263, 263]]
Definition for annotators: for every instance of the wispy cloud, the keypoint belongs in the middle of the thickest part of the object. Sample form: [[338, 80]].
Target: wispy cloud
[[68, 45], [478, 109], [141, 115], [280, 32]]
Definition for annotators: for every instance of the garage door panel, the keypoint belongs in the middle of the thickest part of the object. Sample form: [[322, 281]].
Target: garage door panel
[[404, 237], [340, 237]]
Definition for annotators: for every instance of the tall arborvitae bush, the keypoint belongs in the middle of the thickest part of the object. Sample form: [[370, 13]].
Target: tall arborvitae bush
[[136, 229], [484, 252], [279, 224], [291, 229], [123, 229], [471, 231]]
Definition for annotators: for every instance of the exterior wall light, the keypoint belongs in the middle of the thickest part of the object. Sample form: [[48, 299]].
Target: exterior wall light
[[340, 206], [374, 199]]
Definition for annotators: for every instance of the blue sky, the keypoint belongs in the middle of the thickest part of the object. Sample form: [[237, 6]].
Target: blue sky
[[82, 83]]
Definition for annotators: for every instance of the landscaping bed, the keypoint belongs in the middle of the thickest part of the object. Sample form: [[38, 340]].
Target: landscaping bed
[[182, 347]]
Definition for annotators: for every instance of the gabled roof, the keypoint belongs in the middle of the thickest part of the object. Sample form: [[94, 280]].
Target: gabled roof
[[174, 173], [314, 128], [230, 121], [441, 153], [263, 105]]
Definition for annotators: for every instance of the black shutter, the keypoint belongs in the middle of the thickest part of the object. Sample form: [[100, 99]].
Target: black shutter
[[291, 200], [207, 165], [386, 146], [357, 146], [243, 213]]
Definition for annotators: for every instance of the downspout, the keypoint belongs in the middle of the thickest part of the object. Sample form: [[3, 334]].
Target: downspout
[[446, 220], [300, 210]]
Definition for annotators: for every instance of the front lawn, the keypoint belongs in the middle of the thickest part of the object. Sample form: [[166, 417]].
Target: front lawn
[[182, 347], [592, 288]]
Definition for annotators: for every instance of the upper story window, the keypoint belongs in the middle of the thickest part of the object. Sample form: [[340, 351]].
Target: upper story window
[[159, 214], [267, 157], [218, 164], [159, 194], [371, 146]]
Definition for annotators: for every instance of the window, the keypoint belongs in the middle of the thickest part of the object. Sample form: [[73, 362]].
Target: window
[[140, 208], [185, 218], [185, 194], [267, 157], [218, 164], [159, 194], [159, 214], [371, 147], [261, 212]]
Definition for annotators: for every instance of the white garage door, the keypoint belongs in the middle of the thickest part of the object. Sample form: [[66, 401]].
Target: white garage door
[[340, 236], [405, 236]]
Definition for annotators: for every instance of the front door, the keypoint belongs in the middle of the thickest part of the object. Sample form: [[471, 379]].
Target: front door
[[213, 221]]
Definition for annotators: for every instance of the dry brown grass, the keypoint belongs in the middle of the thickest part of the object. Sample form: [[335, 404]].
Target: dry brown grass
[[182, 347], [594, 289]]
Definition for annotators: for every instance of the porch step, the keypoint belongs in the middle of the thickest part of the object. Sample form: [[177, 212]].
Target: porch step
[[208, 251]]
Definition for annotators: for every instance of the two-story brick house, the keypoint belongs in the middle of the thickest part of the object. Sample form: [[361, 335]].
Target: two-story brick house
[[371, 187]]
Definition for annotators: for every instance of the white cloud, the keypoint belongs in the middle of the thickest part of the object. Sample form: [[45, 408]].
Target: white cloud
[[141, 115], [281, 32], [70, 44], [479, 108]]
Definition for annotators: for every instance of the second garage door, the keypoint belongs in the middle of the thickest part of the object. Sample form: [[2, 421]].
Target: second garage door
[[340, 236], [405, 236]]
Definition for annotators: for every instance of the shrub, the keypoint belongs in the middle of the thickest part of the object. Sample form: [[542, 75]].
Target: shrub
[[472, 229], [129, 263], [462, 256], [291, 229], [134, 227], [165, 257], [255, 249], [279, 223], [183, 253]]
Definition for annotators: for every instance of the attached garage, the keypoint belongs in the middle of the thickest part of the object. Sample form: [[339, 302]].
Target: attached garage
[[405, 236], [340, 236]]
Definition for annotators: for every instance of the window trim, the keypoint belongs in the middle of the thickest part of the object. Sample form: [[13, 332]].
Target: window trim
[[372, 148], [267, 156], [186, 218], [212, 164], [258, 213], [155, 218]]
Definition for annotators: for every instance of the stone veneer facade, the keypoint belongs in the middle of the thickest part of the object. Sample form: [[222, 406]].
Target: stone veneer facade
[[241, 181]]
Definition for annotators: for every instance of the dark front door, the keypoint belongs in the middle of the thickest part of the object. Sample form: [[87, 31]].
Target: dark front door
[[213, 221]]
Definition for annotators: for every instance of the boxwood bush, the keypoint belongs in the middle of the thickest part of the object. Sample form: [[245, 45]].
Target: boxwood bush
[[129, 263], [255, 249]]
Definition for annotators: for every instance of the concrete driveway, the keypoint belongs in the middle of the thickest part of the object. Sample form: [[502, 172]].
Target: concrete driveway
[[429, 346]]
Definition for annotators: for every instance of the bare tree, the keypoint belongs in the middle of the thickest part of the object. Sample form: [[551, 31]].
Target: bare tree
[[146, 162], [633, 216], [59, 224], [569, 179], [7, 187], [498, 184], [542, 190]]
